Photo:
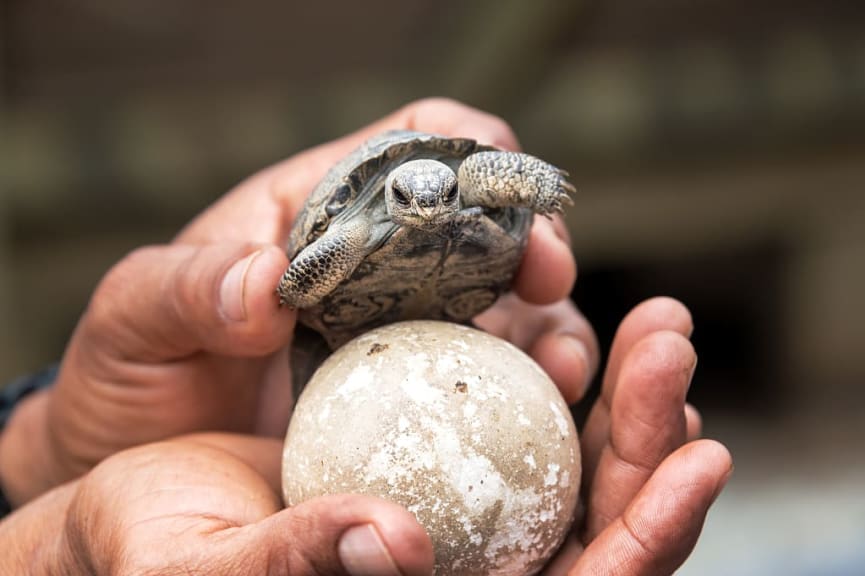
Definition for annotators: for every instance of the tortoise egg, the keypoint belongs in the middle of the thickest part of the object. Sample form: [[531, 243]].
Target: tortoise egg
[[458, 426]]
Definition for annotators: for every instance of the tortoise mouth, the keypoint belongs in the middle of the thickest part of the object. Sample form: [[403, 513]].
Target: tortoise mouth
[[426, 221]]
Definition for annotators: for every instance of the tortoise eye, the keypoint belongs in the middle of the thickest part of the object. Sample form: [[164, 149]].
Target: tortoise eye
[[400, 197], [451, 194]]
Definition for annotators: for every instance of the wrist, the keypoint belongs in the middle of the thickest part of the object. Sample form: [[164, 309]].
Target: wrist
[[25, 460]]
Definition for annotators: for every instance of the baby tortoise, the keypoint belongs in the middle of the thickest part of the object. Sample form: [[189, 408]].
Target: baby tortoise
[[413, 226]]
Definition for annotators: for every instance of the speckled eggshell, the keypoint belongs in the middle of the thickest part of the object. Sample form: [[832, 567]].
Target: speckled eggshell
[[460, 427]]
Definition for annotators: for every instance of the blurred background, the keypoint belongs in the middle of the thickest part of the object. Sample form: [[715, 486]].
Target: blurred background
[[718, 146]]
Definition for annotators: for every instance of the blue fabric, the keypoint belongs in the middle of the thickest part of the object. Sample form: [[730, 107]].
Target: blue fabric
[[13, 393]]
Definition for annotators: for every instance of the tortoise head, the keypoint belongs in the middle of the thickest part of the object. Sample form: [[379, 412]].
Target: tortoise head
[[421, 193]]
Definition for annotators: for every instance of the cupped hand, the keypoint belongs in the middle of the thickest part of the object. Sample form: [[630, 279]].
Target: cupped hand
[[647, 482], [188, 337], [209, 503]]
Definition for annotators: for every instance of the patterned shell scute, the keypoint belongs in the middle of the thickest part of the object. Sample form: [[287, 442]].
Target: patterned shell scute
[[451, 274]]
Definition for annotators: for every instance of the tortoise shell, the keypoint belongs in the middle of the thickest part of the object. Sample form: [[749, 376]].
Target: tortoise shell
[[451, 273]]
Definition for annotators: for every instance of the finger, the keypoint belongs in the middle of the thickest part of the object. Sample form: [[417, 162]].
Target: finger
[[566, 359], [557, 336], [694, 422], [263, 208], [329, 535], [341, 534], [168, 302], [647, 423], [548, 270], [566, 556], [437, 115], [650, 316], [658, 530]]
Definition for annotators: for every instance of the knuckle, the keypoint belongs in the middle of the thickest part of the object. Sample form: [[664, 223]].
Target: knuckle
[[443, 114], [641, 544], [184, 287], [501, 126], [105, 304]]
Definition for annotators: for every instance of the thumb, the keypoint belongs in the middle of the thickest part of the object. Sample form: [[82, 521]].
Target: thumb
[[195, 506], [166, 302], [340, 534]]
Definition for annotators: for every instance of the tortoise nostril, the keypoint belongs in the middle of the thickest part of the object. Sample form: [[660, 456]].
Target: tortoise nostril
[[426, 200]]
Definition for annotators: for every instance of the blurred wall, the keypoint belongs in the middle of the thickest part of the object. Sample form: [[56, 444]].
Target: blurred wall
[[718, 147]]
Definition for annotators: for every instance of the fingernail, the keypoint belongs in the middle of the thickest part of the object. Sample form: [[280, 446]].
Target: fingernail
[[231, 301], [578, 348], [545, 226], [692, 371], [723, 483], [363, 553]]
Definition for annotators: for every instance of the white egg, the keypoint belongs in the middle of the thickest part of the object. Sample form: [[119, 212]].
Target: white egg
[[458, 426]]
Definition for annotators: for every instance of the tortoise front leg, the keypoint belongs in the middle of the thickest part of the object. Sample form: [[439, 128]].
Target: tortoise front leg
[[321, 266], [499, 179]]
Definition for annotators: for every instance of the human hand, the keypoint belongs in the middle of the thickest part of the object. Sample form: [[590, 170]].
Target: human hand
[[647, 483], [188, 337], [209, 503], [206, 504]]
